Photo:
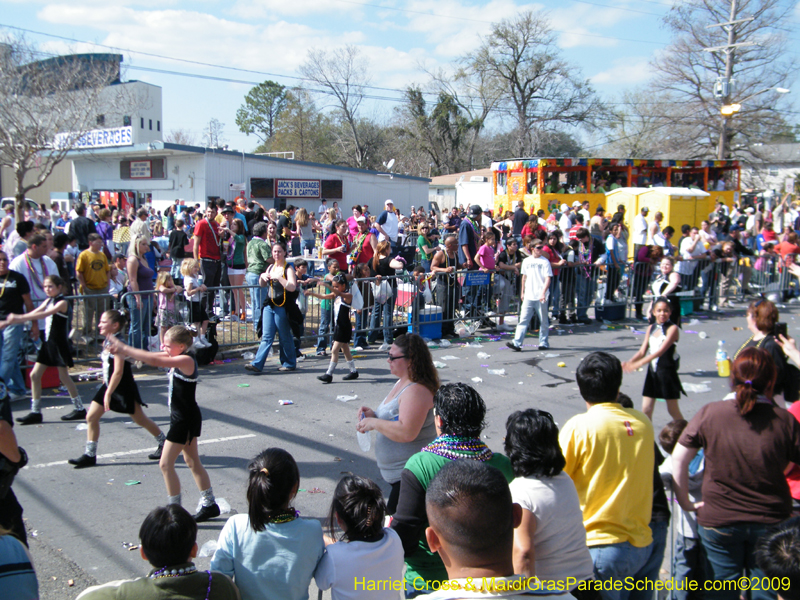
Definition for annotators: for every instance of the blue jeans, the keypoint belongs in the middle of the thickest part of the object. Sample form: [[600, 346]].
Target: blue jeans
[[652, 567], [175, 270], [324, 335], [383, 311], [730, 553], [616, 562], [529, 307], [585, 294], [555, 294], [141, 320], [10, 342], [257, 296], [362, 320], [309, 245], [276, 321], [688, 565]]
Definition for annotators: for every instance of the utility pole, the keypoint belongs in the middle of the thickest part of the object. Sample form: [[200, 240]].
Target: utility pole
[[724, 86]]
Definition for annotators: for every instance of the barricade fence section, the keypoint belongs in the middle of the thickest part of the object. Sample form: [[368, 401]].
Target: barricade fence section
[[435, 305]]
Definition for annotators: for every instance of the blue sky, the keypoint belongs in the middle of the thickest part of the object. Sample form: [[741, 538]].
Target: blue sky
[[611, 41]]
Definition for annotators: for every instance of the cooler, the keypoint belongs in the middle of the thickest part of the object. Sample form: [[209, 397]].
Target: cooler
[[406, 292], [430, 322], [50, 379], [611, 311]]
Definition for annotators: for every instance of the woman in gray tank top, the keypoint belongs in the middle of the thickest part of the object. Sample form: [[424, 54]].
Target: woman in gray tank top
[[403, 422]]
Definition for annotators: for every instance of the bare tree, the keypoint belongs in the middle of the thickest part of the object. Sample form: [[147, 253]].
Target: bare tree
[[303, 129], [213, 134], [64, 95], [342, 73], [181, 136], [687, 74], [543, 92]]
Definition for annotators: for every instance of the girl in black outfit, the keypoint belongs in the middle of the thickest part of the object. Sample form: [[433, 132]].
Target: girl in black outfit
[[54, 351], [185, 419], [658, 353], [119, 393]]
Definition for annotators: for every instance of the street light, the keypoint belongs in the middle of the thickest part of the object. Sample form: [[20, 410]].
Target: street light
[[728, 110]]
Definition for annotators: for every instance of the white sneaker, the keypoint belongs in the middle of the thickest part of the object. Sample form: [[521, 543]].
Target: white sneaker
[[384, 347], [202, 342], [300, 358]]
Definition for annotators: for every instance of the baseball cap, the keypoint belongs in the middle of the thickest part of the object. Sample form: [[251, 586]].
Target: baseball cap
[[749, 210], [645, 209], [576, 204], [388, 202], [564, 207], [736, 228], [475, 210], [361, 219], [228, 208]]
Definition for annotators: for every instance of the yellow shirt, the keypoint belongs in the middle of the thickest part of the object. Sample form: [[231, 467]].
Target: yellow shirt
[[610, 457], [94, 267]]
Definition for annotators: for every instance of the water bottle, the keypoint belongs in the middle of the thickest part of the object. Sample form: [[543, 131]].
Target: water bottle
[[723, 364]]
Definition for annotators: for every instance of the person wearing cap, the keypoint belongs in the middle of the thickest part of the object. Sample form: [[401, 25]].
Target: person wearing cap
[[565, 222], [640, 228], [388, 225]]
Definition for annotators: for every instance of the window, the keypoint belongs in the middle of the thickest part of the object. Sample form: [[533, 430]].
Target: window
[[157, 168], [773, 171], [126, 121], [262, 188], [142, 122], [101, 120], [158, 125], [151, 124], [331, 188]]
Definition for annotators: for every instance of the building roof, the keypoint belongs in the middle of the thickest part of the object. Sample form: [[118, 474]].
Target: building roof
[[167, 148], [448, 180]]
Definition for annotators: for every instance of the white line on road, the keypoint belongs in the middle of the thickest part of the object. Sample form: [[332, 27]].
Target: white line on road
[[130, 452]]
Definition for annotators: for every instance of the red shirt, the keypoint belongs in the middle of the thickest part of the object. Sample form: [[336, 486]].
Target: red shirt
[[785, 248], [574, 231], [208, 234], [367, 252], [334, 241], [553, 256]]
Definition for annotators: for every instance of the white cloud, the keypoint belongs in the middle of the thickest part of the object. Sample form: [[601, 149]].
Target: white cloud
[[625, 72], [255, 9], [276, 47]]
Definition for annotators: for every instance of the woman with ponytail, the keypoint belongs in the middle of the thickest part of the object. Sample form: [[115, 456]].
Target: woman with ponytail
[[364, 546], [748, 442], [270, 552]]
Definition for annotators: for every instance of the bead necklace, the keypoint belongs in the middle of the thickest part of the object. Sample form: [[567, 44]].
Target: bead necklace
[[285, 516], [453, 447], [167, 572]]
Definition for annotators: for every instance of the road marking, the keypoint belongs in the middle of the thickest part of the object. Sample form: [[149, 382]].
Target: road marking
[[150, 449]]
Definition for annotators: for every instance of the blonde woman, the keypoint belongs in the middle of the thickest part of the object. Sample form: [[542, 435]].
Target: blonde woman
[[140, 298], [304, 227], [272, 214]]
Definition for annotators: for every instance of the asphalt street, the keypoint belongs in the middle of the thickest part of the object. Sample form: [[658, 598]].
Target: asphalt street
[[83, 522]]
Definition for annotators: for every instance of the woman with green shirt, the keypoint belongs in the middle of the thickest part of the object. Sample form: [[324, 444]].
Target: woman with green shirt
[[424, 246], [259, 255]]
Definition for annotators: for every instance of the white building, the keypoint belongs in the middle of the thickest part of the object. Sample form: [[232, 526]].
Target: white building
[[468, 188], [160, 173], [771, 167]]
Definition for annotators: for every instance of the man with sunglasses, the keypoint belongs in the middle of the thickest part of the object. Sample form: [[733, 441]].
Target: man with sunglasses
[[536, 277]]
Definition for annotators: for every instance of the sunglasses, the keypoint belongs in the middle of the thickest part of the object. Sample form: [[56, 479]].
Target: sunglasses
[[539, 247], [394, 358]]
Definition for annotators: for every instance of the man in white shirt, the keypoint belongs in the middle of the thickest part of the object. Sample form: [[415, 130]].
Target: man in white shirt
[[640, 230], [388, 224], [34, 265], [691, 250], [139, 227], [564, 222], [585, 212], [323, 209], [536, 277]]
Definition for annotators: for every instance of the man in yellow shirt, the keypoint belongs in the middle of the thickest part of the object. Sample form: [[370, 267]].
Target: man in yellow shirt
[[610, 456], [92, 270]]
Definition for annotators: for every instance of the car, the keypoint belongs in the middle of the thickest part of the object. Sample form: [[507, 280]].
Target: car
[[32, 204]]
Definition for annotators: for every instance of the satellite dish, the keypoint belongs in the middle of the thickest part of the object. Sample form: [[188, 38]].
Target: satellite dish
[[390, 164]]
